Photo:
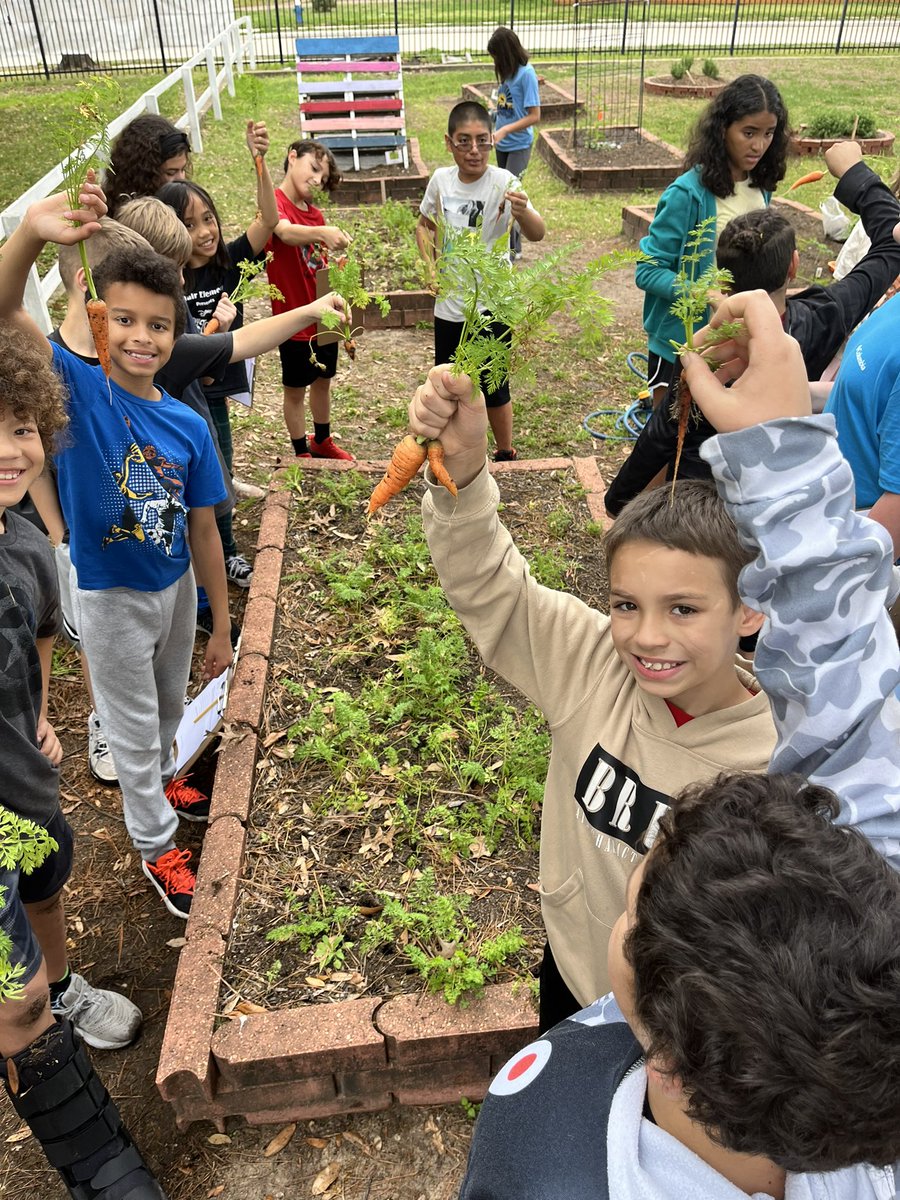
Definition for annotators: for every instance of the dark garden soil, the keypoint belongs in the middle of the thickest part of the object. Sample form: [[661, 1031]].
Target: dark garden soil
[[548, 96], [816, 250], [589, 149], [446, 785]]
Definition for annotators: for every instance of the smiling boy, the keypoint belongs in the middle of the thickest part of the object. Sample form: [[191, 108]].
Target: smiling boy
[[639, 703], [473, 194], [138, 478], [300, 247]]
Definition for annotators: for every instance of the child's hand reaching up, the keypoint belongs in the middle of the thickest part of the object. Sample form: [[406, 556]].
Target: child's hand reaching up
[[257, 138], [765, 365], [331, 302], [53, 220], [451, 408]]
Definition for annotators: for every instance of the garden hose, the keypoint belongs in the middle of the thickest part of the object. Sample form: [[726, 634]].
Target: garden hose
[[634, 418]]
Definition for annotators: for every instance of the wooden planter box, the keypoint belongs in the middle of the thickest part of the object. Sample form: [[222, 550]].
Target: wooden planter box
[[607, 178], [664, 85], [561, 105], [883, 143], [361, 187], [315, 1060]]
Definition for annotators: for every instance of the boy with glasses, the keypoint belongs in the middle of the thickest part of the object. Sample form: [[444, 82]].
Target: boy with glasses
[[473, 194]]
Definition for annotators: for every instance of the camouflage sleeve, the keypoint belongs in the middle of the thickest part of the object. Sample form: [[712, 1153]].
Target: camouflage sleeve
[[827, 656]]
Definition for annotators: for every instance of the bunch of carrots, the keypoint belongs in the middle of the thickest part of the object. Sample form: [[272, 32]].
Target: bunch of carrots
[[408, 456]]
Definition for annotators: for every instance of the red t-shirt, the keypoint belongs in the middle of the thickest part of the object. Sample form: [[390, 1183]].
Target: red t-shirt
[[293, 268]]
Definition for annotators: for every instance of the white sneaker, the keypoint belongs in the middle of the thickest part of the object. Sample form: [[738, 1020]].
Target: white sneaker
[[100, 759], [247, 491], [103, 1019]]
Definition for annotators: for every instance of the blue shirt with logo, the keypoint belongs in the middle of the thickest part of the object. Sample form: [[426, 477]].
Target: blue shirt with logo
[[514, 98], [129, 472]]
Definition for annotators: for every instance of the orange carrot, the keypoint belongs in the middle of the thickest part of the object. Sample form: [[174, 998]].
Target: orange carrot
[[98, 319], [812, 177], [350, 347], [683, 402], [436, 461], [408, 456], [257, 159], [212, 325]]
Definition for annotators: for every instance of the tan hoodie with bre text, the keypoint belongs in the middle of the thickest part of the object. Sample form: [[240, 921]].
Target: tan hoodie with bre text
[[617, 755]]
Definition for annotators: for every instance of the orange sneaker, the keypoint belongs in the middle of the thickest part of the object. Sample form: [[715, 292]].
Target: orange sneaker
[[174, 880], [189, 802], [328, 449]]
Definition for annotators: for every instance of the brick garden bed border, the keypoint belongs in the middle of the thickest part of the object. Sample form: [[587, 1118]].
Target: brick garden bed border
[[557, 110], [882, 143], [596, 179], [358, 187], [636, 218], [664, 85], [316, 1060], [408, 309]]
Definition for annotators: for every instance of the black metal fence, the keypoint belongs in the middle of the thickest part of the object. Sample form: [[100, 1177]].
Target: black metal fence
[[44, 36]]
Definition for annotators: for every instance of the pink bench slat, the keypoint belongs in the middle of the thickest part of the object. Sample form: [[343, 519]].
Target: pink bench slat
[[358, 123]]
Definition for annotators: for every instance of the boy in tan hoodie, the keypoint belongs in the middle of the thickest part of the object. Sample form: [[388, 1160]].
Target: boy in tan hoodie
[[639, 703]]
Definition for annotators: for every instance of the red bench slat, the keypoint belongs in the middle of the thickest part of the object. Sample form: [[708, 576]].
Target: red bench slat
[[346, 106]]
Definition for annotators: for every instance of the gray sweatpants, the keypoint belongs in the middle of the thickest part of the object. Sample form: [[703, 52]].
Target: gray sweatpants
[[138, 647]]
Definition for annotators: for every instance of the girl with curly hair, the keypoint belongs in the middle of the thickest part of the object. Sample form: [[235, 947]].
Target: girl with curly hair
[[149, 152], [736, 156]]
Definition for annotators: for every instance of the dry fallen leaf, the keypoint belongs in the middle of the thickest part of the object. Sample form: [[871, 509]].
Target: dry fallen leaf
[[316, 1143], [216, 1191], [247, 1008], [219, 1139], [19, 1136], [280, 1140], [325, 1178], [356, 1140], [176, 943]]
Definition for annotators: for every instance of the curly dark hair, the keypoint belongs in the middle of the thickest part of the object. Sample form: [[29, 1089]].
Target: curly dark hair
[[149, 270], [757, 248], [766, 955], [706, 148], [29, 386], [691, 517], [320, 153], [137, 156], [178, 195]]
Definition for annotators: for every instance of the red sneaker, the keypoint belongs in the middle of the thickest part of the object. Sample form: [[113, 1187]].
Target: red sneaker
[[328, 449], [189, 802], [174, 880]]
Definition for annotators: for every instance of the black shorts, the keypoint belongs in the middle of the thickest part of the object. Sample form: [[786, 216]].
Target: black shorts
[[21, 889], [660, 371], [446, 339], [302, 363]]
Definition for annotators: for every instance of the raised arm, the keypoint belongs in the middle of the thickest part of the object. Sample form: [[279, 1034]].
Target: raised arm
[[260, 336], [828, 657], [263, 225]]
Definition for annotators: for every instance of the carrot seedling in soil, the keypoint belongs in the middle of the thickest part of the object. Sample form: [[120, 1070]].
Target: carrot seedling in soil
[[84, 146], [691, 304], [525, 300], [249, 287]]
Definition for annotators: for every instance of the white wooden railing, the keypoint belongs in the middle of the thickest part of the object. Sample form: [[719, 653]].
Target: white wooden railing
[[234, 48]]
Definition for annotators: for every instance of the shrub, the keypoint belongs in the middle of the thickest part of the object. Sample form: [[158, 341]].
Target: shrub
[[681, 66], [838, 123], [710, 70]]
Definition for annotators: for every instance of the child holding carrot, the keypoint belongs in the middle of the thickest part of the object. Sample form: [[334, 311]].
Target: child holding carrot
[[476, 195], [300, 249], [211, 276], [736, 155]]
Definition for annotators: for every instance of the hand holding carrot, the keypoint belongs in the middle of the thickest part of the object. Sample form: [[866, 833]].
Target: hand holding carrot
[[332, 238], [763, 364], [451, 408], [518, 203], [257, 138], [51, 219], [840, 157]]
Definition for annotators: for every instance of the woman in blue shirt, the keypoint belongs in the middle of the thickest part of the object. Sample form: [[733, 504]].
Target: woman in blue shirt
[[518, 109]]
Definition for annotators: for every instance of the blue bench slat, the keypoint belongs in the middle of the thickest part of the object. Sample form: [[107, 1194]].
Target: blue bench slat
[[339, 46]]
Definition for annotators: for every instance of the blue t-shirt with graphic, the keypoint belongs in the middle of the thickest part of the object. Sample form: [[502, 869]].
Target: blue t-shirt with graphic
[[128, 474], [514, 98]]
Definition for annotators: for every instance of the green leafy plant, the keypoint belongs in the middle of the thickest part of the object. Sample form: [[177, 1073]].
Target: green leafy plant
[[317, 924], [25, 845], [345, 278], [681, 67], [710, 68], [841, 123]]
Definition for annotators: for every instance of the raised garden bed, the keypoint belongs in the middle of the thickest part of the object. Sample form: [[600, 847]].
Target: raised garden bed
[[883, 143], [816, 250], [556, 102], [698, 89], [311, 1033], [388, 182], [631, 159], [384, 243]]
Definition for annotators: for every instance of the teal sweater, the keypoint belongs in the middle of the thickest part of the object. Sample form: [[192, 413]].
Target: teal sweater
[[682, 206]]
